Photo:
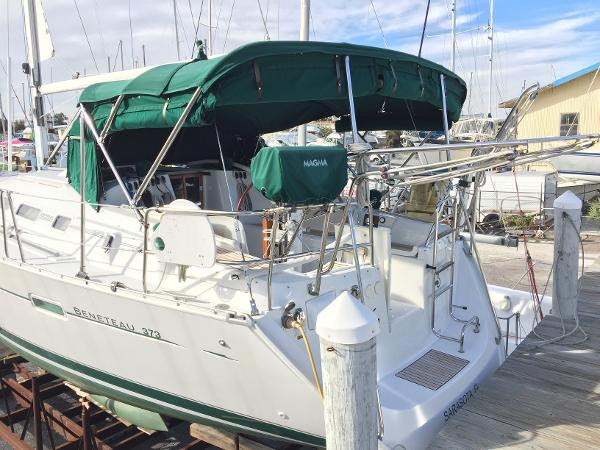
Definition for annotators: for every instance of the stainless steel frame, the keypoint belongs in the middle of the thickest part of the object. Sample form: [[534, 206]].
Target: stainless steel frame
[[351, 101], [273, 258], [111, 118], [62, 140], [14, 219], [92, 127], [445, 113], [474, 145], [167, 145], [4, 235], [82, 269]]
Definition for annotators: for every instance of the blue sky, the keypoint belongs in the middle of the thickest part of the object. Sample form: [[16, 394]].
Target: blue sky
[[535, 40]]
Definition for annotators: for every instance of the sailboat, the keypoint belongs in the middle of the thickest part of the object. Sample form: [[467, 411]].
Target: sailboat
[[158, 268]]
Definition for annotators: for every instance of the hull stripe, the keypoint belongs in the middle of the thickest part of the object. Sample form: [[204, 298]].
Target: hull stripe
[[198, 412]]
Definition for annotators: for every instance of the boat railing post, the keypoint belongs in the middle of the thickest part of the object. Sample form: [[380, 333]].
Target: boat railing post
[[498, 338], [4, 235], [371, 243], [14, 219], [145, 251], [82, 154], [271, 260], [445, 114], [338, 238], [315, 288], [356, 255]]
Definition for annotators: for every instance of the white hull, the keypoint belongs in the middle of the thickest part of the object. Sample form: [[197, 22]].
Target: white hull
[[193, 349]]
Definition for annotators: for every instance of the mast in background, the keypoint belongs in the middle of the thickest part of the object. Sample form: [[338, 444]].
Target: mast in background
[[491, 39], [8, 92], [304, 28], [176, 29], [453, 54], [32, 16], [210, 38]]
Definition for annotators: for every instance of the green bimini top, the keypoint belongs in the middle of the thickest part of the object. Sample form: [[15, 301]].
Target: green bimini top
[[264, 87], [274, 85]]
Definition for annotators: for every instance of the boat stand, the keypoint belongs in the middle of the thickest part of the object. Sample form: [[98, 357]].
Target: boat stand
[[40, 411]]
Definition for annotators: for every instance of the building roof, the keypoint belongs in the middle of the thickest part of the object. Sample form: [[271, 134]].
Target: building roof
[[510, 103]]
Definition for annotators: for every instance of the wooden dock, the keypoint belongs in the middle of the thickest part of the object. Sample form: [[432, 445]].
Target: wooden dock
[[543, 396]]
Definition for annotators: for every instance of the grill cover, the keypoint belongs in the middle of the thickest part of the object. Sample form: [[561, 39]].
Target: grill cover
[[300, 175]]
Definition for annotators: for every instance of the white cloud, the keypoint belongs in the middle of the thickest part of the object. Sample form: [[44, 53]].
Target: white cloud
[[550, 42]]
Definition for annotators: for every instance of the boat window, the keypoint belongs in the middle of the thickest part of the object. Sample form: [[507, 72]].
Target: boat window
[[29, 212], [569, 123], [61, 223]]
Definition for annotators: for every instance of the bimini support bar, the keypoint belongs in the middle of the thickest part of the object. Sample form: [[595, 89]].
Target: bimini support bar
[[99, 141], [474, 145], [82, 269], [111, 118], [167, 145], [62, 140], [445, 114], [351, 101]]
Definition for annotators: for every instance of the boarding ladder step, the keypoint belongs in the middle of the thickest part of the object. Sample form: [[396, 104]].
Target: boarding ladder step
[[450, 264]]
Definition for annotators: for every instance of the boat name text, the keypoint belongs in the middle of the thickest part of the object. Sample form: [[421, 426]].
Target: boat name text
[[462, 401], [116, 323]]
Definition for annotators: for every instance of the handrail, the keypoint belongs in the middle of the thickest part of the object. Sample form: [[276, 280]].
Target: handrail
[[273, 258], [474, 145], [480, 272], [517, 316]]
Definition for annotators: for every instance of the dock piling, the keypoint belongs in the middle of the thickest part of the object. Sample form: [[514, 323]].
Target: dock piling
[[567, 224], [347, 330]]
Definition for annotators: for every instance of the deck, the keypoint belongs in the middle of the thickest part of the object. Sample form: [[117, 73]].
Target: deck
[[543, 396]]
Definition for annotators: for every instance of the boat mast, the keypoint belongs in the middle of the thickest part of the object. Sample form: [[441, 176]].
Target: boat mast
[[453, 54], [35, 76], [8, 92], [176, 29], [210, 40], [304, 26], [491, 39]]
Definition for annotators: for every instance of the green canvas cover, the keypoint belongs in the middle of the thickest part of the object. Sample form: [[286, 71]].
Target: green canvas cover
[[92, 179], [275, 85], [300, 175]]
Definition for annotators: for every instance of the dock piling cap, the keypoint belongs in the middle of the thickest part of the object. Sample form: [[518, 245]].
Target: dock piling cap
[[568, 200], [347, 321]]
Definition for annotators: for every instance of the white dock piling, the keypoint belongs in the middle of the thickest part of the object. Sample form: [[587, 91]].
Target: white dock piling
[[567, 223], [347, 330]]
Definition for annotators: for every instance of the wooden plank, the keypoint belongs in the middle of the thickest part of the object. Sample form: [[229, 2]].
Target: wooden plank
[[12, 439], [222, 439], [245, 443]]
